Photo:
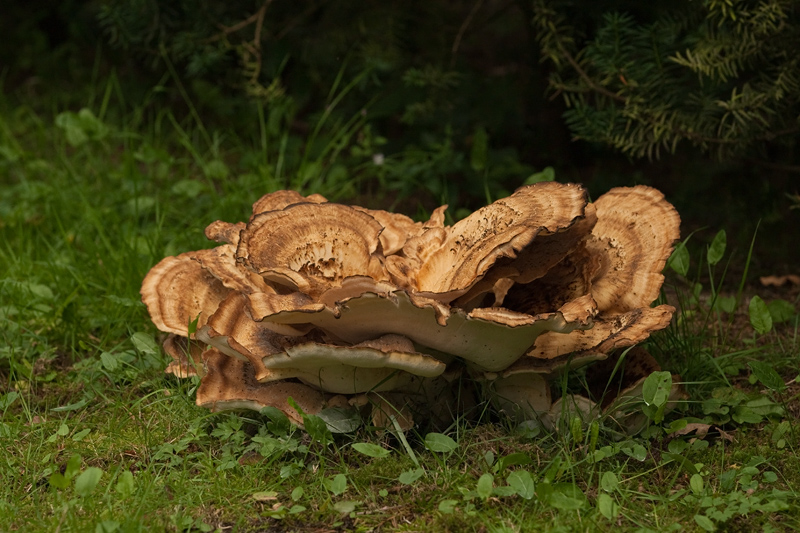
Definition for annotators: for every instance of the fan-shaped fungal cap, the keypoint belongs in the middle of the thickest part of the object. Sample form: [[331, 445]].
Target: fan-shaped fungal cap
[[388, 351], [566, 281], [397, 228], [490, 339], [232, 331], [275, 201], [546, 256], [380, 364], [386, 363], [226, 232], [606, 334], [634, 235], [229, 384], [312, 247], [178, 290], [500, 230], [221, 263]]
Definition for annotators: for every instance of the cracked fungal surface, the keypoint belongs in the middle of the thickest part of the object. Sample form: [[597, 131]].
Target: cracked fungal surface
[[361, 309]]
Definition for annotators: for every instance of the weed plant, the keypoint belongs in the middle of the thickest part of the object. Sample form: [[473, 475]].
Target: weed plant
[[97, 438]]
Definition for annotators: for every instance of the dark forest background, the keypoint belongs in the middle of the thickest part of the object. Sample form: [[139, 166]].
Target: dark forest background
[[459, 101]]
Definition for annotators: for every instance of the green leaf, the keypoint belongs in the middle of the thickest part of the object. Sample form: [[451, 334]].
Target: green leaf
[[71, 407], [41, 291], [447, 506], [192, 327], [609, 482], [513, 459], [371, 450], [635, 450], [7, 399], [68, 122], [279, 423], [504, 491], [745, 415], [479, 151], [297, 493], [679, 260], [484, 486], [566, 496], [410, 476], [58, 481], [87, 481], [547, 174], [717, 248], [760, 318], [265, 496], [317, 429], [110, 361], [346, 507], [725, 303], [125, 484], [704, 522], [340, 420], [529, 429], [107, 526], [73, 466], [336, 484], [144, 343], [780, 311], [656, 388], [437, 442], [767, 375], [522, 482], [607, 506], [679, 459], [216, 169], [696, 484], [81, 434], [188, 188]]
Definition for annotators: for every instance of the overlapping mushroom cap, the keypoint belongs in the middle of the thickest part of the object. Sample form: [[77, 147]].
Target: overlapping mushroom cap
[[309, 295]]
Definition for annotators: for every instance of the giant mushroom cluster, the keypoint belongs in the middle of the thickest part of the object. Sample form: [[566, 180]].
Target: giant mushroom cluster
[[332, 305]]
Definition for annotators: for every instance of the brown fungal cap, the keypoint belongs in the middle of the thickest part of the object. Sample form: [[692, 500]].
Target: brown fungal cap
[[608, 332], [500, 230], [275, 201], [489, 339], [221, 263], [177, 290], [230, 384], [634, 235], [381, 364], [312, 247], [390, 351], [571, 278], [397, 228], [226, 232]]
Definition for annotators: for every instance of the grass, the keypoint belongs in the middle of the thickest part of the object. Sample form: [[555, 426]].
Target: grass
[[98, 438]]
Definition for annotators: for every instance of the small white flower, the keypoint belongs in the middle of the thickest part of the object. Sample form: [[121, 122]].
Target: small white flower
[[377, 159]]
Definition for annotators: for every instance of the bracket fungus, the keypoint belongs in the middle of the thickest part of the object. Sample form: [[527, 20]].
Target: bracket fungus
[[335, 305]]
